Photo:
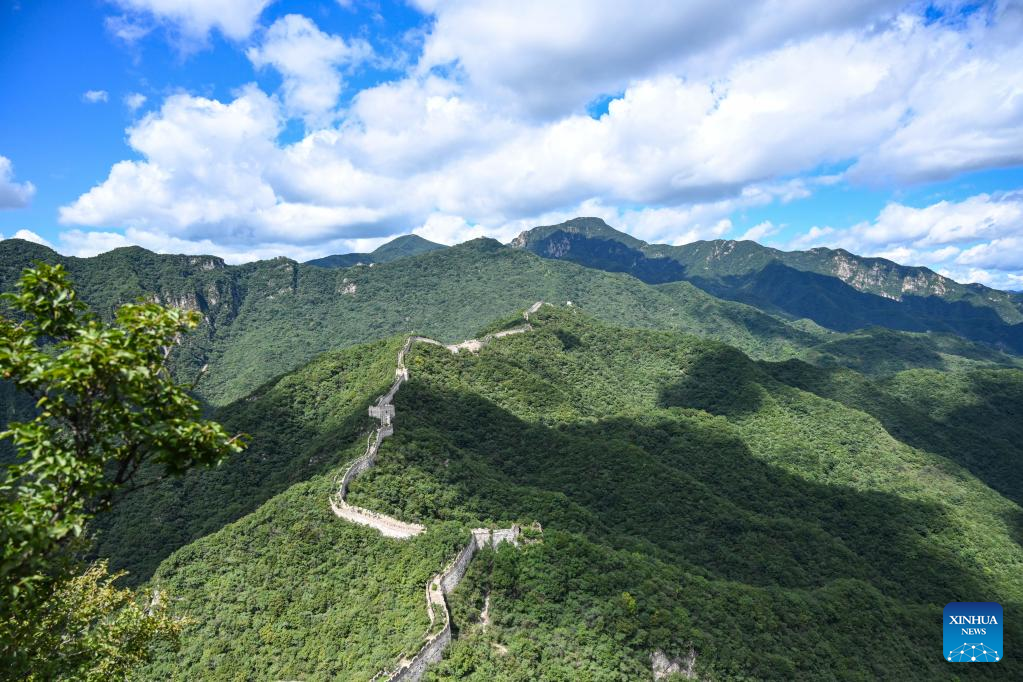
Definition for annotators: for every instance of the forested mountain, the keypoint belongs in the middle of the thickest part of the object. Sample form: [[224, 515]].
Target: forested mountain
[[750, 494], [832, 287], [771, 520], [266, 318], [400, 247]]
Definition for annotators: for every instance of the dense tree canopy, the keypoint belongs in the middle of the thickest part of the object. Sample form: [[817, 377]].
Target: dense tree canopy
[[692, 499], [105, 406]]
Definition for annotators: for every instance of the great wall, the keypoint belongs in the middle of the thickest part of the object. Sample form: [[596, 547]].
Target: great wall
[[448, 579]]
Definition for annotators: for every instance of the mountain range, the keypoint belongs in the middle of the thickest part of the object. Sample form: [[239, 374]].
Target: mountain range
[[832, 287], [761, 520], [268, 317], [713, 469]]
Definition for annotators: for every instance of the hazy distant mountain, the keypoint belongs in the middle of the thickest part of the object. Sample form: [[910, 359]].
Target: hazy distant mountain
[[832, 287], [400, 247]]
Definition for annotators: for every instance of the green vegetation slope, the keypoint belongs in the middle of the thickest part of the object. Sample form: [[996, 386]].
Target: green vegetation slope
[[779, 520], [267, 318]]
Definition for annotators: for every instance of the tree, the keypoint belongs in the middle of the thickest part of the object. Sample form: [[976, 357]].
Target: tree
[[113, 630], [106, 407]]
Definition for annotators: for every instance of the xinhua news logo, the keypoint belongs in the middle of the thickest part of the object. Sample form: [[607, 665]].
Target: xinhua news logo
[[972, 632]]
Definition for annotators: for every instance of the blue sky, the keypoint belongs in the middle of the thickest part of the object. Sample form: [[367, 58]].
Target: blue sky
[[253, 128]]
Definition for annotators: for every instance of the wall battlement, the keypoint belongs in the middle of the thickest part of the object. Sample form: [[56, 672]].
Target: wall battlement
[[447, 580]]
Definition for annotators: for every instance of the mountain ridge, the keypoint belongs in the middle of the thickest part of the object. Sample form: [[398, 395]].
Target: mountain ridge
[[265, 318], [613, 439], [400, 247], [833, 287], [708, 251]]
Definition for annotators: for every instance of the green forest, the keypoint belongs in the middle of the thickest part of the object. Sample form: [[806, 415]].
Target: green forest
[[511, 341], [267, 318], [777, 519], [760, 496]]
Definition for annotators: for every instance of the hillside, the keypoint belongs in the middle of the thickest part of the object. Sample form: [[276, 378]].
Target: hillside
[[400, 247], [832, 287], [266, 318], [769, 520]]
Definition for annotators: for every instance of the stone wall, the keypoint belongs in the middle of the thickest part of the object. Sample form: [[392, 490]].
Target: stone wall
[[437, 590], [474, 345], [454, 574], [387, 525], [505, 535], [447, 580], [431, 652]]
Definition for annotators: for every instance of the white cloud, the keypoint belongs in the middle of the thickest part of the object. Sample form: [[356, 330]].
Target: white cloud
[[963, 112], [206, 173], [1005, 253], [95, 96], [815, 236], [309, 61], [30, 236], [134, 101], [760, 231], [945, 222], [192, 19], [204, 164], [13, 194], [739, 116], [128, 29], [90, 243], [447, 229], [551, 58]]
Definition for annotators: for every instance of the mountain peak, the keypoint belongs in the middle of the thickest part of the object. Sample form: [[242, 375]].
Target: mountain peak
[[586, 226], [399, 247], [405, 245]]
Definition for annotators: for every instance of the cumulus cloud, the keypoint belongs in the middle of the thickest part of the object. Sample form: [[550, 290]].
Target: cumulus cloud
[[1005, 253], [815, 236], [29, 236], [207, 172], [551, 58], [983, 216], [13, 194], [962, 115], [742, 115], [95, 96], [760, 231], [84, 243], [192, 19], [308, 61]]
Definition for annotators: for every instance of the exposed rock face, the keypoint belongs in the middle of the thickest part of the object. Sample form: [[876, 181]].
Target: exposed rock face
[[207, 262], [663, 666]]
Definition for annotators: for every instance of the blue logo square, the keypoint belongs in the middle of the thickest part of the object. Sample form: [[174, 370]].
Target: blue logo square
[[972, 632]]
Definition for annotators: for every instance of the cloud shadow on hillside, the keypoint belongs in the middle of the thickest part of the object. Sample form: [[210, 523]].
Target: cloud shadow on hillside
[[686, 490]]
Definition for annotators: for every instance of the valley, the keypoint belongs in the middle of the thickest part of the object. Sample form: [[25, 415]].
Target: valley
[[673, 477]]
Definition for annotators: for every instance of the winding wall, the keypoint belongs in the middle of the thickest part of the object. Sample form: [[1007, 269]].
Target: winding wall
[[447, 580]]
